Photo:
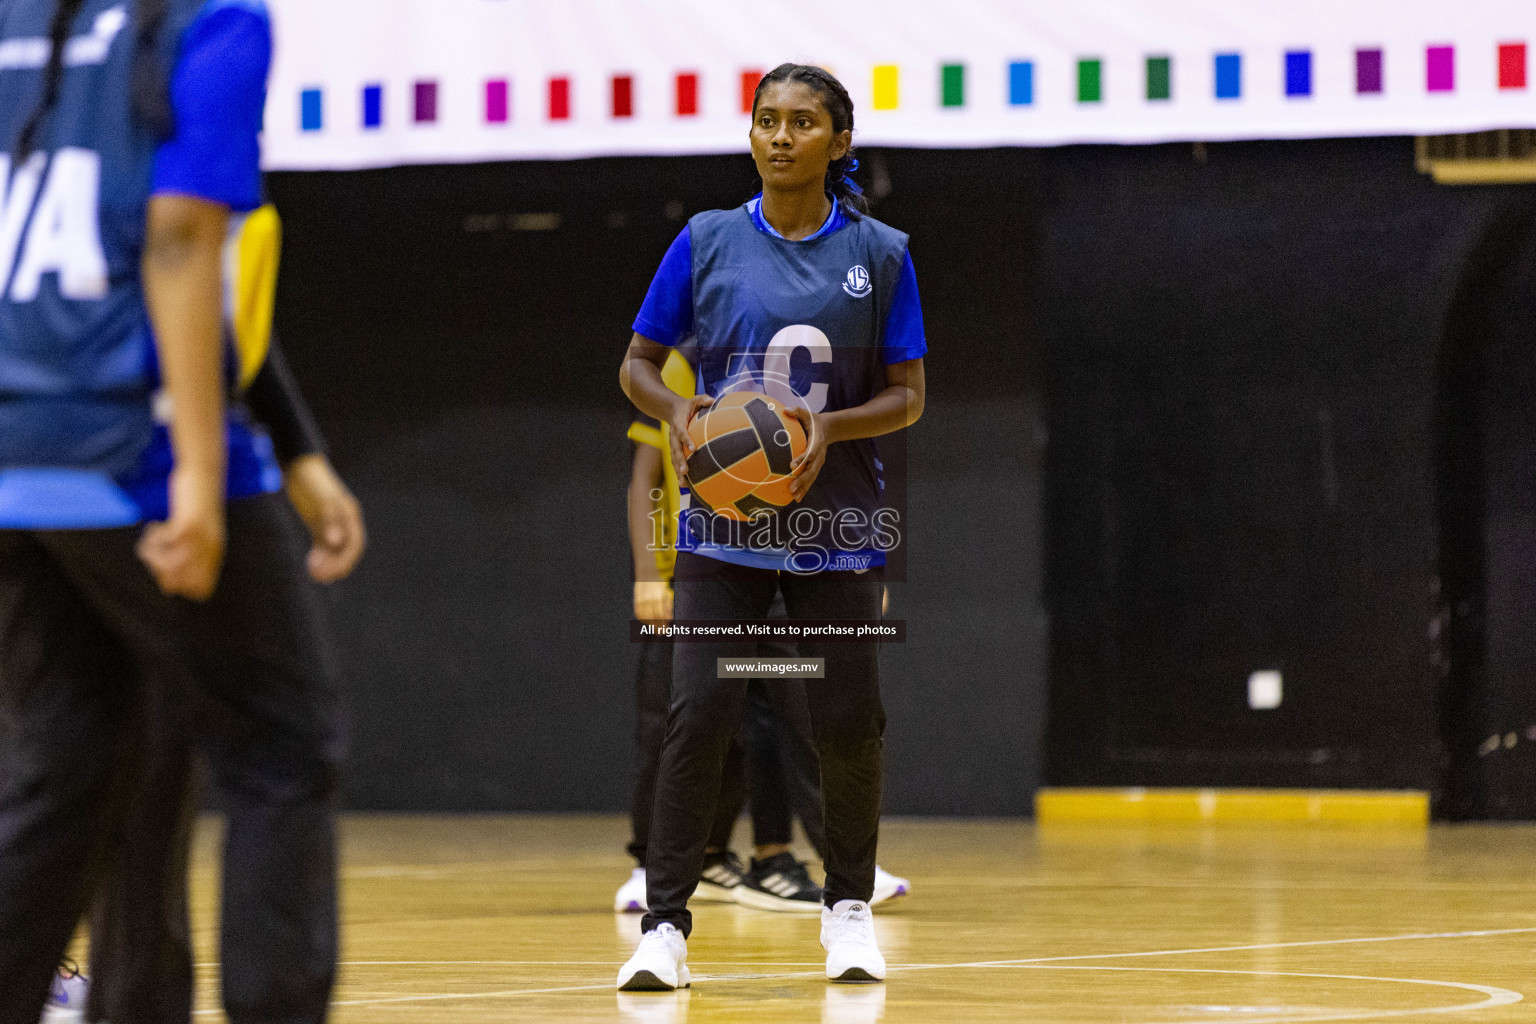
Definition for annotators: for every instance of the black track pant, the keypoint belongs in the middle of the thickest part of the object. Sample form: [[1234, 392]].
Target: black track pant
[[653, 689], [83, 631], [846, 718]]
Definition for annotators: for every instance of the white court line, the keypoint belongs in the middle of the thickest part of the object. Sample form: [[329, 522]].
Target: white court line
[[1234, 949], [975, 963], [1505, 996]]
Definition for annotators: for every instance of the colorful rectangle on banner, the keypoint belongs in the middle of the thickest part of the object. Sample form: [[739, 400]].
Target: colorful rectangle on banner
[[497, 107], [1440, 68], [1021, 83], [426, 102], [1159, 78], [1512, 64], [1368, 71], [1229, 76], [373, 106], [311, 110], [1298, 73], [623, 96], [1090, 81], [749, 81], [887, 83], [952, 85], [687, 94], [559, 99]]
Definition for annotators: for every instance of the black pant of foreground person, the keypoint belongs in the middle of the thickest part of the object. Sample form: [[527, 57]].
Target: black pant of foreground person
[[83, 628]]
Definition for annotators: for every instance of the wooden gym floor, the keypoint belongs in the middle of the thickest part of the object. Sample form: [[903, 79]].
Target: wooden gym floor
[[477, 919]]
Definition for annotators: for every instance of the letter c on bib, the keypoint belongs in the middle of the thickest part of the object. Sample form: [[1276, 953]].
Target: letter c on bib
[[776, 364]]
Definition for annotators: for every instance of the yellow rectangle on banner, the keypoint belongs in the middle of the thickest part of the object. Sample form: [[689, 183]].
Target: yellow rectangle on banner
[[1393, 808], [886, 96]]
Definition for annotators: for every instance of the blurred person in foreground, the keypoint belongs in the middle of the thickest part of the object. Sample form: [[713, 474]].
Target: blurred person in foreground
[[146, 558]]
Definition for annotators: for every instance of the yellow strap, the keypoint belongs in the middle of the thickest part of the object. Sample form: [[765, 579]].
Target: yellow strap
[[253, 256], [645, 433]]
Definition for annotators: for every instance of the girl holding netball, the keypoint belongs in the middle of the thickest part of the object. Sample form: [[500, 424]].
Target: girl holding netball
[[799, 267]]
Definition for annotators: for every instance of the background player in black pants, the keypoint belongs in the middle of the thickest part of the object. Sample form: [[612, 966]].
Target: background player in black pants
[[652, 512]]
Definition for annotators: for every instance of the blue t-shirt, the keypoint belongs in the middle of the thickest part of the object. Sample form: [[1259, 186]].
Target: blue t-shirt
[[666, 316], [218, 93]]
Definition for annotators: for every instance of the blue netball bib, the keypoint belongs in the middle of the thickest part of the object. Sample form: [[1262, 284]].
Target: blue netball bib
[[803, 322], [78, 373]]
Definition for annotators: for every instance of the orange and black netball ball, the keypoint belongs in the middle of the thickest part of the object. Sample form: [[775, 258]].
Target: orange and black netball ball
[[743, 447]]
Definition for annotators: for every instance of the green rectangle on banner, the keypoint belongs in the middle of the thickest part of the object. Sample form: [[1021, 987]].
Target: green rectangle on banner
[[1090, 81], [1159, 78], [952, 85]]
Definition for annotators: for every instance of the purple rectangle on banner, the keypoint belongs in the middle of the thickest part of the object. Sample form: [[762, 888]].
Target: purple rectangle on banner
[[1368, 64], [426, 102], [496, 101], [1440, 68]]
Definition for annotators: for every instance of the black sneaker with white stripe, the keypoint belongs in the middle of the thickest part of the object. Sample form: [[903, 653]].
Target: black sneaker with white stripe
[[722, 876], [779, 883]]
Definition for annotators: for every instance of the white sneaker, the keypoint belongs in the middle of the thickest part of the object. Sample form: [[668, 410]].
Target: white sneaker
[[630, 899], [66, 998], [659, 965], [848, 936], [888, 886]]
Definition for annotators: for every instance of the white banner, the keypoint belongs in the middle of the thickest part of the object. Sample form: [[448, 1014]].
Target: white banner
[[369, 83]]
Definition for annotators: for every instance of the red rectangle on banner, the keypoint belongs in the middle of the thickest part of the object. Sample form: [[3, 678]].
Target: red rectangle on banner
[[687, 94], [623, 96], [1512, 64], [559, 99], [749, 80]]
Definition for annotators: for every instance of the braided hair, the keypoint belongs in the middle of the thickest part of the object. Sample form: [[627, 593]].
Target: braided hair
[[835, 98], [150, 84]]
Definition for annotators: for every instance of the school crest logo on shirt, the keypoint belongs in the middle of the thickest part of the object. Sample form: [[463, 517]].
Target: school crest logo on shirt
[[857, 283]]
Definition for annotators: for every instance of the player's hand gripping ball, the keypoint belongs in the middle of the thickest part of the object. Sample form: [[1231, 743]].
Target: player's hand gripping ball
[[743, 446]]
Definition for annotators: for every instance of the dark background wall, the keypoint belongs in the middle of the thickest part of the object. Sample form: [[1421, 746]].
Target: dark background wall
[[1252, 389], [466, 372], [1275, 442]]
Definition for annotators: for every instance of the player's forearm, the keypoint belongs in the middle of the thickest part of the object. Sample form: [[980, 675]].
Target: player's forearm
[[899, 405], [183, 290], [642, 530], [640, 377], [893, 409]]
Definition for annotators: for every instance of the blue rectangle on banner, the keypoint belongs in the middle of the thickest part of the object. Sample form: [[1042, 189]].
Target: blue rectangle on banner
[[1021, 83], [1298, 73], [373, 106], [310, 116], [1229, 76]]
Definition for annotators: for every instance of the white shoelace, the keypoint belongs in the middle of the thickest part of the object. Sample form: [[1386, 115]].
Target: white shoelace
[[658, 936], [850, 923]]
